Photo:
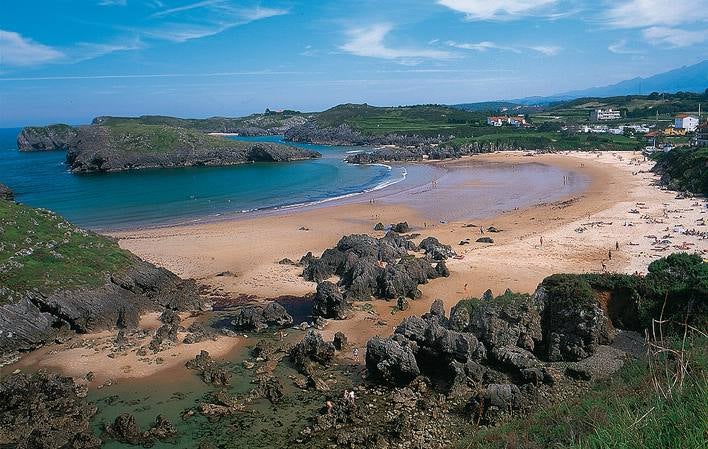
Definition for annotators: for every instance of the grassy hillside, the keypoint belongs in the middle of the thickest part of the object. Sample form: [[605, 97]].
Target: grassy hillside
[[41, 251], [684, 169], [132, 136], [424, 120], [266, 121]]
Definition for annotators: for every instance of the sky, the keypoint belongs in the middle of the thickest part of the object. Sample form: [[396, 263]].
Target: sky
[[71, 60]]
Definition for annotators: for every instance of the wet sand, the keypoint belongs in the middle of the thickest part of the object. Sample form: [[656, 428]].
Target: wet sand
[[579, 225]]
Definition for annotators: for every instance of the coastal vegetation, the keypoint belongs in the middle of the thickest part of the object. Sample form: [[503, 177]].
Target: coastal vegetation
[[684, 169], [42, 252]]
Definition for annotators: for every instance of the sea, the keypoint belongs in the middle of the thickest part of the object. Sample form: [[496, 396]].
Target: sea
[[157, 197]]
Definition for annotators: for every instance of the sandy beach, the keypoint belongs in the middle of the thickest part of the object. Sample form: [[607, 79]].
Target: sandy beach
[[618, 211]]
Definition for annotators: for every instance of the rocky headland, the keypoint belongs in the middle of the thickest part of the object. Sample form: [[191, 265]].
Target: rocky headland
[[57, 280], [101, 148]]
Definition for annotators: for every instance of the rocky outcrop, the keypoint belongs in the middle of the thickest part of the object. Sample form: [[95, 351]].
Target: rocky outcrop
[[99, 148], [126, 430], [37, 318], [47, 138], [258, 317], [329, 302], [6, 194], [427, 346], [312, 351], [209, 370], [369, 267], [45, 411], [436, 250], [572, 320]]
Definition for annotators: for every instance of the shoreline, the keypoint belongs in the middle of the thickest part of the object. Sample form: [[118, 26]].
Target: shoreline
[[578, 231]]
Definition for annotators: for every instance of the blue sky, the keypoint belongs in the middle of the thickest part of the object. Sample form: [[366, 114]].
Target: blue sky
[[70, 60]]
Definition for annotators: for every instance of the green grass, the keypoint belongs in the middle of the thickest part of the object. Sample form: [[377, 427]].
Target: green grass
[[687, 168], [41, 251], [426, 120], [623, 412], [129, 136], [536, 140]]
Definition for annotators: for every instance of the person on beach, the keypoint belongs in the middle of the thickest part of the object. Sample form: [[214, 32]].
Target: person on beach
[[541, 241], [355, 353], [609, 254], [604, 267], [617, 246], [481, 230], [351, 397]]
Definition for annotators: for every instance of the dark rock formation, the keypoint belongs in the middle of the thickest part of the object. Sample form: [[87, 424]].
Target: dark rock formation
[[485, 240], [45, 411], [46, 138], [505, 323], [379, 227], [358, 261], [436, 250], [391, 359], [126, 430], [270, 388], [494, 401], [329, 302], [401, 228], [572, 320], [6, 194], [311, 352], [257, 317], [210, 371], [37, 319], [339, 341]]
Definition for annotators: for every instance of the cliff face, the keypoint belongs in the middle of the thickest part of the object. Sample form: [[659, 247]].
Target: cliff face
[[57, 279], [99, 148], [46, 138], [6, 193], [344, 134], [37, 319]]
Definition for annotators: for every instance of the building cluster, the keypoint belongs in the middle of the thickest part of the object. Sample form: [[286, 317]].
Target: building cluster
[[599, 115], [513, 120]]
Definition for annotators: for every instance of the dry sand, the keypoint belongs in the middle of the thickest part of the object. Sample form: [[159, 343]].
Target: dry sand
[[240, 256]]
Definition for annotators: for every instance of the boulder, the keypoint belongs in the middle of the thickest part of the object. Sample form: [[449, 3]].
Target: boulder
[[311, 351], [391, 361], [329, 302], [379, 227], [442, 270], [339, 341], [485, 240], [362, 280], [514, 357], [572, 320], [258, 317], [401, 228], [210, 371], [436, 250], [506, 323], [126, 430]]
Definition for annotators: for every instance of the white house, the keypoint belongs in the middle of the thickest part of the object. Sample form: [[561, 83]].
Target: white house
[[605, 114], [685, 121]]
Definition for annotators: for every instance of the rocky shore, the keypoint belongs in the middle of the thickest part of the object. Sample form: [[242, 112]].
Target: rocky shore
[[99, 148]]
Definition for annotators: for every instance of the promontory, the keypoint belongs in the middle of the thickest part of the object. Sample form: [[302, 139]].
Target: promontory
[[129, 146]]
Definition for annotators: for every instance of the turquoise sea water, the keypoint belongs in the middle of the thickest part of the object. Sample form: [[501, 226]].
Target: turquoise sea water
[[168, 196]]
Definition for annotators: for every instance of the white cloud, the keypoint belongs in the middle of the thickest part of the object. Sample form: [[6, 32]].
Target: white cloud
[[548, 50], [482, 46], [497, 10], [645, 13], [620, 48], [369, 42], [674, 37], [85, 50], [16, 50], [216, 16]]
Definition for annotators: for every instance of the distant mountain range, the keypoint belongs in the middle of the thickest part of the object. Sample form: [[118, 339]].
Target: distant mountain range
[[692, 78]]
